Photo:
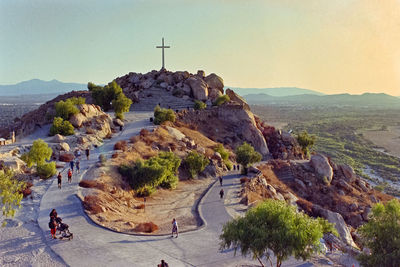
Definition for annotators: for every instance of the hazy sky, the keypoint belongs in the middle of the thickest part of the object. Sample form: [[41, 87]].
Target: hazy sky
[[332, 46]]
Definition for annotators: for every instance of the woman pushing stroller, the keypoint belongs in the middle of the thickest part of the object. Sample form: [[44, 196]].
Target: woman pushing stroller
[[56, 224]]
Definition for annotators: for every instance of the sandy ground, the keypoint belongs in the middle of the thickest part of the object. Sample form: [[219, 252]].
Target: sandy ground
[[21, 241], [389, 140]]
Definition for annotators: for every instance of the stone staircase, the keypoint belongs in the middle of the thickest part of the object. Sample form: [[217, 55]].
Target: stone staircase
[[285, 174], [150, 98]]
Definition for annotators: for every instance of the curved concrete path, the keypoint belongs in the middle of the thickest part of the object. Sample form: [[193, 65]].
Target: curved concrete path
[[94, 245]]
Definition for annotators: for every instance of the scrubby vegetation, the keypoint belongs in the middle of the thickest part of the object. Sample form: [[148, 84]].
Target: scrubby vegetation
[[163, 114], [382, 235], [224, 155], [67, 108], [276, 226], [246, 155], [195, 163], [145, 176], [306, 142], [221, 100], [38, 156], [110, 96], [339, 134], [199, 105], [10, 193], [61, 126]]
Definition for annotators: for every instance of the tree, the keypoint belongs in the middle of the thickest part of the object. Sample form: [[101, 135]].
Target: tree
[[381, 234], [121, 104], [195, 163], [162, 114], [246, 155], [62, 127], [10, 193], [38, 154], [46, 170], [103, 96], [65, 109], [306, 142], [276, 226]]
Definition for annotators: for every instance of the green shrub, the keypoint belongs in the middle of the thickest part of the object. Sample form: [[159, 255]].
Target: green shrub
[[199, 105], [103, 96], [46, 170], [162, 114], [246, 155], [306, 142], [195, 163], [221, 100], [61, 127], [145, 191], [121, 104], [65, 109], [145, 176], [224, 155]]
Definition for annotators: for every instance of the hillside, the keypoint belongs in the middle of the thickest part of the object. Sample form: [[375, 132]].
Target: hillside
[[276, 91], [36, 86], [366, 99]]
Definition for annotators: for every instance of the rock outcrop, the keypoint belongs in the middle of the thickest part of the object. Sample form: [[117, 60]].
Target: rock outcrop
[[322, 167]]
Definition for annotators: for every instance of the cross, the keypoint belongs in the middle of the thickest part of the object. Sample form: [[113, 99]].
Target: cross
[[163, 46]]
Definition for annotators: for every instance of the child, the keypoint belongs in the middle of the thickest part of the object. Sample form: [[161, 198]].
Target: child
[[69, 176]]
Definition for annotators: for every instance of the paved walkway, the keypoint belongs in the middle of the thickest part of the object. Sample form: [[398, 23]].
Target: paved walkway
[[94, 245]]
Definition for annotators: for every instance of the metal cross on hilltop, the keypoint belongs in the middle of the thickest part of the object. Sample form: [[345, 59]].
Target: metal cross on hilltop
[[163, 46]]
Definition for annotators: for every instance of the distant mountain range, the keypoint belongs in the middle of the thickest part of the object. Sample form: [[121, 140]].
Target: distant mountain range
[[366, 99], [276, 91], [36, 87]]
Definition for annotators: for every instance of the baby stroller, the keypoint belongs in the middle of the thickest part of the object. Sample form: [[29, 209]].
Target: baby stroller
[[63, 230]]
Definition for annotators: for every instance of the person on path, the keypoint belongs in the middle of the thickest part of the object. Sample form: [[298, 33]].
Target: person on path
[[220, 180], [53, 227], [78, 153], [53, 213], [163, 264], [221, 193], [174, 228], [71, 164], [59, 179], [87, 151], [234, 167], [77, 164], [69, 176]]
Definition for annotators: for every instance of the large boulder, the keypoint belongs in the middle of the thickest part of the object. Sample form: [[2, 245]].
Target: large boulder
[[338, 221], [58, 138], [118, 122], [146, 84], [175, 133], [213, 93], [322, 167], [348, 173], [214, 81], [77, 120], [237, 98], [64, 146], [199, 88]]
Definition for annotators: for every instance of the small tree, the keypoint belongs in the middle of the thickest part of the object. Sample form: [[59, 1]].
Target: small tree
[[246, 155], [121, 105], [10, 193], [103, 96], [195, 163], [46, 170], [61, 127], [306, 142], [382, 235], [221, 100], [162, 114], [65, 109], [199, 105], [276, 226], [38, 154]]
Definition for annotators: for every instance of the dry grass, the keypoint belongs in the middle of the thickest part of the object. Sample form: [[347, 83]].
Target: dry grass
[[148, 227], [121, 145], [92, 184], [91, 204]]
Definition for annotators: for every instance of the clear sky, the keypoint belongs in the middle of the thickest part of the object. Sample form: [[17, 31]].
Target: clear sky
[[332, 46]]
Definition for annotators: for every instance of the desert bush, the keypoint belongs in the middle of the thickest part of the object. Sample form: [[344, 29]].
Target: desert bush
[[92, 184], [162, 114], [121, 104], [244, 180], [61, 127], [67, 108], [195, 163], [120, 145], [38, 154], [199, 105], [148, 227], [306, 142], [224, 155], [103, 96], [145, 176], [46, 170], [221, 100]]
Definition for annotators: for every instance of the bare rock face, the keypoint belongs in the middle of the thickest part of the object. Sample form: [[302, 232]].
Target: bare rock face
[[237, 98], [214, 81], [322, 166], [348, 173], [199, 88], [213, 93], [77, 120], [175, 133]]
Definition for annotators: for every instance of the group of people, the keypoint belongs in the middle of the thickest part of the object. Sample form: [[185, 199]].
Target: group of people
[[73, 164]]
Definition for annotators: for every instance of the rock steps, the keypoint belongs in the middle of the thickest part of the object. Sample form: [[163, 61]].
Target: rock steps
[[285, 174]]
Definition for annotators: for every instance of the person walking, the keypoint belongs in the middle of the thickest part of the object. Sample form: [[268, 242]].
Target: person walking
[[78, 153], [221, 193], [71, 164], [59, 179], [87, 151], [53, 227], [69, 176], [77, 165], [53, 213], [163, 264], [174, 228], [220, 180]]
